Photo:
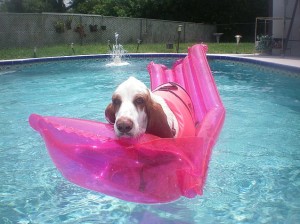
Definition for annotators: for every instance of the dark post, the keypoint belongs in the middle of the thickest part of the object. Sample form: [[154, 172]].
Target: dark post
[[179, 29]]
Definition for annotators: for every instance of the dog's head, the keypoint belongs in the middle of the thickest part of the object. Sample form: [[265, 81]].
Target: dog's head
[[127, 110], [133, 111]]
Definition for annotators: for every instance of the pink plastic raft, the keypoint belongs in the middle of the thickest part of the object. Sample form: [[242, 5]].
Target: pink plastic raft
[[149, 169]]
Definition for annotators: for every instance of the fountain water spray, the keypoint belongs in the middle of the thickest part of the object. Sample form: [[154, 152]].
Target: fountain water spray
[[117, 53]]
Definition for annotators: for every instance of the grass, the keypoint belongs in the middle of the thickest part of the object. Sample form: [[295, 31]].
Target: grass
[[65, 50]]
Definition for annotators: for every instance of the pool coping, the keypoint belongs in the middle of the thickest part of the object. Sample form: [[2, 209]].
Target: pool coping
[[252, 59], [237, 58]]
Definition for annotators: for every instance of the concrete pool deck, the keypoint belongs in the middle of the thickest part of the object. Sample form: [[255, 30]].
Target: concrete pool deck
[[288, 61], [290, 64]]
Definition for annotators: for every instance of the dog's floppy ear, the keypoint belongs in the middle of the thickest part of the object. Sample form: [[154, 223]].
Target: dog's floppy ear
[[110, 114], [157, 121]]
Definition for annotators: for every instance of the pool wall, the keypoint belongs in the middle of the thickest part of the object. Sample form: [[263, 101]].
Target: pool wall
[[6, 64]]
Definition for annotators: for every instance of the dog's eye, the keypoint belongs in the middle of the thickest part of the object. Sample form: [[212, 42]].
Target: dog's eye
[[116, 101], [139, 101]]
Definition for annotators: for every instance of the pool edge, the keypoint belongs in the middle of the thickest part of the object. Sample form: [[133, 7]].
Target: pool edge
[[242, 58]]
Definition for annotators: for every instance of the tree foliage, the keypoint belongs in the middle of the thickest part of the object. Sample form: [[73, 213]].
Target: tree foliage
[[32, 6], [208, 11]]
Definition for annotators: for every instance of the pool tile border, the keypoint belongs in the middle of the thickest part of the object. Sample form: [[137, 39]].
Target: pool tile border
[[6, 64]]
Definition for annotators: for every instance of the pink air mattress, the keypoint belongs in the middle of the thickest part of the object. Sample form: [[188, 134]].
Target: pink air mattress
[[148, 169]]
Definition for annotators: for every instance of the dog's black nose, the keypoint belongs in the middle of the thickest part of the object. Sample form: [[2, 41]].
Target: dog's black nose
[[124, 125]]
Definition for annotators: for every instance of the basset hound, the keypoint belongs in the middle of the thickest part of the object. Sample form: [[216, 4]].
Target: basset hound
[[135, 110]]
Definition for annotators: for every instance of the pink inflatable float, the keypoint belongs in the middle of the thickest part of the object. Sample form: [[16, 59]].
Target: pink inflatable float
[[148, 169]]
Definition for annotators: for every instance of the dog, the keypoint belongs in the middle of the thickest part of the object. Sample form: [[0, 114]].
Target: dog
[[135, 110]]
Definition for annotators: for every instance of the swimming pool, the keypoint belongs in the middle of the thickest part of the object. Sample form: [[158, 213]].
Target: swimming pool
[[254, 173]]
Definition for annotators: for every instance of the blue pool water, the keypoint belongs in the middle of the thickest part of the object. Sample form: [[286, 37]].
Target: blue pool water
[[254, 173]]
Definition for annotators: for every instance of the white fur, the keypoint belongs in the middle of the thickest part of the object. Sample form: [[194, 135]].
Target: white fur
[[128, 90]]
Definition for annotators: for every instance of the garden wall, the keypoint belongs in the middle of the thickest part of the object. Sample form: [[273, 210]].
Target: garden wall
[[38, 29]]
